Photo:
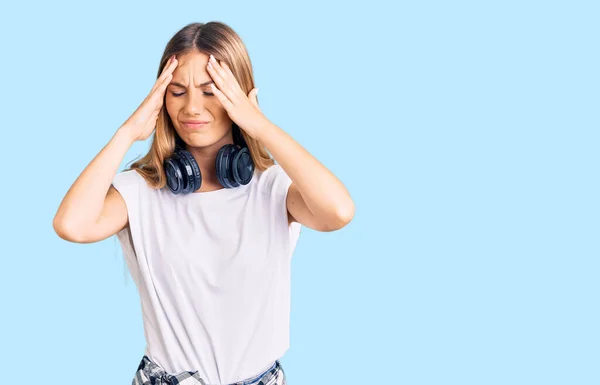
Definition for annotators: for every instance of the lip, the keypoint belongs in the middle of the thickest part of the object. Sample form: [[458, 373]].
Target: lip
[[194, 123]]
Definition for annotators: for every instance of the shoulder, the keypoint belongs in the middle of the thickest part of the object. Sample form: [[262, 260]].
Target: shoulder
[[273, 174], [273, 179], [127, 177], [129, 183], [130, 178]]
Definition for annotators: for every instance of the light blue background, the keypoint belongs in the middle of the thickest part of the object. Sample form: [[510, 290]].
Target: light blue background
[[466, 132]]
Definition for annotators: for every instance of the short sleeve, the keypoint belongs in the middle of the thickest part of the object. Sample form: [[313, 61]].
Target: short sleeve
[[281, 185], [127, 184]]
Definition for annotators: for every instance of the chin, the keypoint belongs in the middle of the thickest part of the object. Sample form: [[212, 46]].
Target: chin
[[200, 139]]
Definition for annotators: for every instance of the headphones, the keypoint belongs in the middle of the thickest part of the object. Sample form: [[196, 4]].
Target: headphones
[[234, 166]]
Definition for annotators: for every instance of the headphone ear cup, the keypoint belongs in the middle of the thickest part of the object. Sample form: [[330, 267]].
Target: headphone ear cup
[[193, 170], [174, 171], [219, 167], [242, 166], [223, 166]]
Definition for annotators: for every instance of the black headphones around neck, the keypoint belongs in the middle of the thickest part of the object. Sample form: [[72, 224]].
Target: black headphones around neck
[[234, 166]]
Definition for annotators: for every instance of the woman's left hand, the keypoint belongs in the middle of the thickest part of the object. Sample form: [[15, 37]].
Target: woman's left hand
[[242, 109]]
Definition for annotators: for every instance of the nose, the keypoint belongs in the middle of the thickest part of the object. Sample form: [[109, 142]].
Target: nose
[[194, 103]]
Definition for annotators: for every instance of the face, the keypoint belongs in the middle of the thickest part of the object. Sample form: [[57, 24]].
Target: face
[[189, 97]]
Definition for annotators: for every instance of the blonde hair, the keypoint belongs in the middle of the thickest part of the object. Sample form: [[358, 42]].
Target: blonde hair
[[225, 45]]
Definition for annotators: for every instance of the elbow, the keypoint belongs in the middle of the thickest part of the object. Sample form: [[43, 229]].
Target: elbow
[[58, 227], [67, 231], [62, 230], [346, 213], [343, 215]]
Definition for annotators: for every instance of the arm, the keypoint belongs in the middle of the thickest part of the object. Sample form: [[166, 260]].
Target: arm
[[316, 198], [92, 209]]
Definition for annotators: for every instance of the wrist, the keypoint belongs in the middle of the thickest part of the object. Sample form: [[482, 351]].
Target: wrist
[[126, 133], [261, 129]]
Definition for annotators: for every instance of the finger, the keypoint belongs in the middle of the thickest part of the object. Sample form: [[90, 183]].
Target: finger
[[165, 83], [228, 74], [169, 68], [215, 74], [218, 67], [222, 79], [253, 97], [231, 79], [171, 60], [159, 90], [225, 102]]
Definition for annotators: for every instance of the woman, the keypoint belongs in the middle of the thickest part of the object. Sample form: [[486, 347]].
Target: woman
[[207, 220]]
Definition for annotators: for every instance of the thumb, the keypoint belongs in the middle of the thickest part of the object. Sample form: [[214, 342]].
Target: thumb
[[253, 98]]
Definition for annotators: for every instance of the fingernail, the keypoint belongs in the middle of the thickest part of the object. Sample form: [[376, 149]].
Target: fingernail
[[257, 91]]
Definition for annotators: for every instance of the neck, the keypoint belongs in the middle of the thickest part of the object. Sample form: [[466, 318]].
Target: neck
[[206, 157]]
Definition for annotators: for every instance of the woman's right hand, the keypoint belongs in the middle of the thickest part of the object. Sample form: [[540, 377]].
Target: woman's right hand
[[143, 121]]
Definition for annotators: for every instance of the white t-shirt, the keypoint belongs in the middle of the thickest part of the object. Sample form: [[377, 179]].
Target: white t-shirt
[[213, 273]]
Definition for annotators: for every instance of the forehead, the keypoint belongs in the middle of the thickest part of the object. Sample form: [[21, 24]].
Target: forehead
[[191, 67], [192, 58]]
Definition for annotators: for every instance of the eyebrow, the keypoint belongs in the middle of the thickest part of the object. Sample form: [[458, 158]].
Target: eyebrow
[[182, 86]]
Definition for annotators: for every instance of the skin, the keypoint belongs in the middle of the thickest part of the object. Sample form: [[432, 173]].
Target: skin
[[198, 103], [93, 210], [316, 198]]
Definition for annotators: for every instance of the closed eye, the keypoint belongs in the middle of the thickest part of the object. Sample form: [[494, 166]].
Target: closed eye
[[204, 93]]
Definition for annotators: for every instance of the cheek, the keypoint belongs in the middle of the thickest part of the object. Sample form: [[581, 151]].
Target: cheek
[[172, 107], [216, 108], [168, 104]]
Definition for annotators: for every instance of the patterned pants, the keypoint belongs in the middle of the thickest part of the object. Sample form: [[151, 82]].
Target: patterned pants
[[150, 373]]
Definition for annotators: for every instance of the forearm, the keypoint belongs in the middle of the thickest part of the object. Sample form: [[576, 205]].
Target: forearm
[[324, 194], [83, 202]]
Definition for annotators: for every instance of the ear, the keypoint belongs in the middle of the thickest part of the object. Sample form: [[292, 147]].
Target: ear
[[253, 98]]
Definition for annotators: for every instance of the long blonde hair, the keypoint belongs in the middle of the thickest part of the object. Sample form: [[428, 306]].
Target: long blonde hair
[[225, 45]]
